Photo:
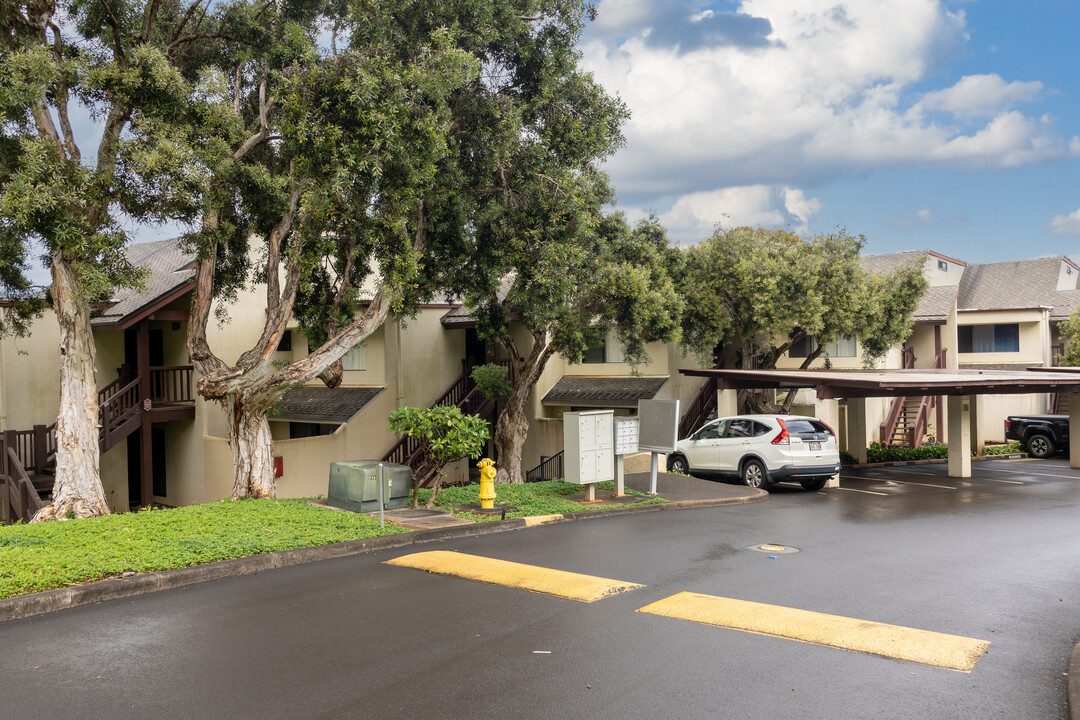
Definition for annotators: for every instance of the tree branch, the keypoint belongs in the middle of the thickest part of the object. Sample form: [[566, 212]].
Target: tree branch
[[184, 20], [62, 99], [149, 21], [118, 46]]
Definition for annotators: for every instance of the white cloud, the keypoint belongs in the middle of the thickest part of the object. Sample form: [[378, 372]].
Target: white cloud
[[1066, 224], [978, 94], [829, 92], [923, 217], [696, 215]]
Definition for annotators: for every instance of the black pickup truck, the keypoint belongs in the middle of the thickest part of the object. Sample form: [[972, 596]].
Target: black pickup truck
[[1041, 435]]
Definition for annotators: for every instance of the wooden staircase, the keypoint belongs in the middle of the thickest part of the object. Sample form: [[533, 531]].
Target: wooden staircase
[[120, 410], [906, 422], [1059, 403], [904, 429]]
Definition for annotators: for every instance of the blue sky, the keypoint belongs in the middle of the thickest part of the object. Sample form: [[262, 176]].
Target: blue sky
[[921, 124]]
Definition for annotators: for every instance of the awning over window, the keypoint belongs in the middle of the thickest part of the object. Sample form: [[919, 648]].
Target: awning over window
[[590, 391], [323, 404]]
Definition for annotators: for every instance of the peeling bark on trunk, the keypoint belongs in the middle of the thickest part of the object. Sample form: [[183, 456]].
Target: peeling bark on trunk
[[77, 491], [252, 450], [513, 426]]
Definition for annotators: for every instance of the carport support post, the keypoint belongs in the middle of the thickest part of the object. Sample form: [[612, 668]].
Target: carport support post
[[1074, 430], [978, 442], [960, 436], [856, 428], [727, 403]]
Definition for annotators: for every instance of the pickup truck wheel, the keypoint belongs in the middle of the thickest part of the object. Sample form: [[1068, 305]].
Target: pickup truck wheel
[[1040, 446], [754, 475], [813, 484]]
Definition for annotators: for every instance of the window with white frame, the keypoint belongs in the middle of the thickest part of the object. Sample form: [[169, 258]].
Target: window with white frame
[[1004, 337], [840, 346], [355, 359]]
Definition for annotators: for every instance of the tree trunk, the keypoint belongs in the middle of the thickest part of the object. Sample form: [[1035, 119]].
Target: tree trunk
[[510, 431], [252, 449], [513, 426], [77, 491]]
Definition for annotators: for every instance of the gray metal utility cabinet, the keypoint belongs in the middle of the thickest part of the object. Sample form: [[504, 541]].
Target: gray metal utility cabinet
[[354, 485]]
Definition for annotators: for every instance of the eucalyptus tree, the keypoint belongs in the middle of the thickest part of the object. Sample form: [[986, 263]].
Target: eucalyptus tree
[[127, 67], [326, 157], [752, 293], [579, 276], [440, 143]]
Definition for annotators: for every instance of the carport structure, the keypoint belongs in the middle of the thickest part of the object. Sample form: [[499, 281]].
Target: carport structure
[[857, 385]]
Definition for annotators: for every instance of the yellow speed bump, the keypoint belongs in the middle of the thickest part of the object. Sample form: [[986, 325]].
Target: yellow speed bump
[[921, 646], [559, 583]]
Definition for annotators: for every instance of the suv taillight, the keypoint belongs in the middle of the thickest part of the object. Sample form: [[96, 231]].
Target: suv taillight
[[783, 438]]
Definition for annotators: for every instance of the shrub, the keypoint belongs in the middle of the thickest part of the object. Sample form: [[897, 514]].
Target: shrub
[[1007, 449], [491, 380], [880, 452]]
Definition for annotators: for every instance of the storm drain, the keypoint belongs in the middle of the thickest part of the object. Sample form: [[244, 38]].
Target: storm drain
[[774, 549]]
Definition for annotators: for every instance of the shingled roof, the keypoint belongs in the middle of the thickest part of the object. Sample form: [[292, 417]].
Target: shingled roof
[[936, 304], [171, 270], [1017, 285], [587, 390], [323, 404]]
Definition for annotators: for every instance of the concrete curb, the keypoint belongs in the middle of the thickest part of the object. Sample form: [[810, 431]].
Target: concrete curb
[[1072, 684], [24, 606]]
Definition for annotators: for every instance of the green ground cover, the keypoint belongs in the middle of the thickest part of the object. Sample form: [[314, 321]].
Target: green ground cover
[[57, 554], [540, 498]]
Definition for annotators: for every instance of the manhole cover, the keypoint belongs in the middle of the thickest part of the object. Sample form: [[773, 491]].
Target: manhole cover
[[769, 548]]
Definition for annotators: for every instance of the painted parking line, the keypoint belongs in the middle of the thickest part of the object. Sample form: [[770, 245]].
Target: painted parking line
[[570, 585], [893, 641], [943, 487], [1035, 474], [1000, 480], [868, 492]]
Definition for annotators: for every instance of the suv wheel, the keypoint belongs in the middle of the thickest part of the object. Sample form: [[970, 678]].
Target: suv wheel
[[814, 484], [1040, 446], [755, 475], [677, 464]]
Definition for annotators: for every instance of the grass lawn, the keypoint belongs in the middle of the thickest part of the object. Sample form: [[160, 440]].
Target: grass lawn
[[57, 554], [530, 499]]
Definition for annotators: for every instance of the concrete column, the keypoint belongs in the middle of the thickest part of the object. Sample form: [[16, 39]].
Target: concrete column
[[978, 442], [856, 428], [1074, 430], [727, 403], [960, 436]]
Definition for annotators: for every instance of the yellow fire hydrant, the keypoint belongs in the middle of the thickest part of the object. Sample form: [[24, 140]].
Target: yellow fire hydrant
[[487, 483]]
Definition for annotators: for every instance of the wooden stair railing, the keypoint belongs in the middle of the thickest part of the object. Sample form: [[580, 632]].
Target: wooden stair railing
[[698, 411], [18, 498], [463, 394]]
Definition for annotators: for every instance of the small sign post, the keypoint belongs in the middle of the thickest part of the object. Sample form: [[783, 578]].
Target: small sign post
[[658, 432]]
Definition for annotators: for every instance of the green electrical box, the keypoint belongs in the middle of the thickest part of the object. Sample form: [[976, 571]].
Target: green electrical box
[[354, 485]]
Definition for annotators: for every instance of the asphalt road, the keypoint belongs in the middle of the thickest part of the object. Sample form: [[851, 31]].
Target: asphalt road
[[994, 557]]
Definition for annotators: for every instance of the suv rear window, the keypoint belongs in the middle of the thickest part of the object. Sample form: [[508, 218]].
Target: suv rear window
[[806, 426]]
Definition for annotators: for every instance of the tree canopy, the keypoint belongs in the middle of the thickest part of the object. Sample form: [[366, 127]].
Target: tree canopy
[[751, 294]]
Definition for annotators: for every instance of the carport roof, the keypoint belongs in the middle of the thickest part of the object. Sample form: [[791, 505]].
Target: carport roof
[[892, 383]]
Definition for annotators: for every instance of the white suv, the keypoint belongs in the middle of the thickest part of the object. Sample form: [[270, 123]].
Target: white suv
[[761, 449]]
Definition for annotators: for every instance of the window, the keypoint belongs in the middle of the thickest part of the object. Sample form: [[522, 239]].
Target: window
[[740, 428], [841, 346], [355, 359], [299, 430], [989, 338], [609, 350], [942, 265], [286, 342]]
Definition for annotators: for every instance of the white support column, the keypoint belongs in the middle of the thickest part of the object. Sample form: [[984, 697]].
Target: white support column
[[977, 439], [1074, 430], [727, 403], [856, 428], [960, 436]]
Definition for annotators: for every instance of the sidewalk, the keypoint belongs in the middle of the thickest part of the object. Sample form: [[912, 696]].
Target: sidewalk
[[680, 492]]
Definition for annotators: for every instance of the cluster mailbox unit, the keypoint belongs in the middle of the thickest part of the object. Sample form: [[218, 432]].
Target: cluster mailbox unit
[[589, 445]]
